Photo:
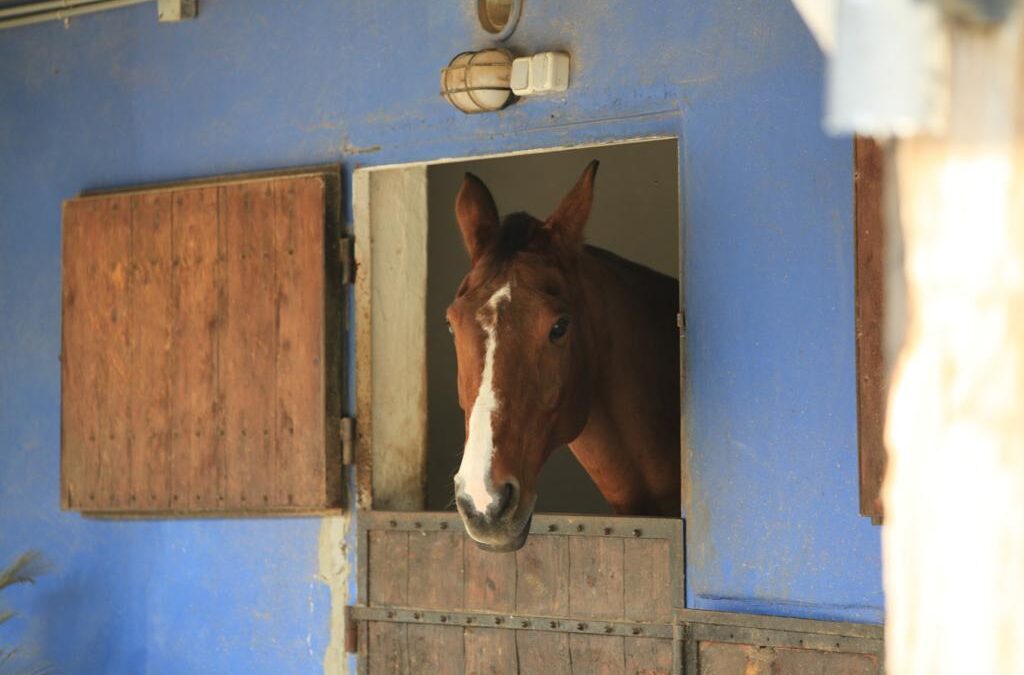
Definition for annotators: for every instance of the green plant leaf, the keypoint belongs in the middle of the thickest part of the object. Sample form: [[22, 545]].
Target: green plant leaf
[[25, 569]]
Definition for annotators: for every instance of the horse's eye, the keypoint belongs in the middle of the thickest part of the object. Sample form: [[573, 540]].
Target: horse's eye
[[449, 324], [558, 330]]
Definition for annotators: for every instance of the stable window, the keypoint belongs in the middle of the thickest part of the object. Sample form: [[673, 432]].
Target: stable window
[[590, 590]]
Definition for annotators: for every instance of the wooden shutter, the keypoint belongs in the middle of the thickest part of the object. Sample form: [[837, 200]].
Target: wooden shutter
[[869, 309], [201, 349]]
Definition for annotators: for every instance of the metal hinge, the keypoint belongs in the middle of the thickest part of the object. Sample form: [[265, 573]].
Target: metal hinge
[[351, 632], [348, 440], [347, 258]]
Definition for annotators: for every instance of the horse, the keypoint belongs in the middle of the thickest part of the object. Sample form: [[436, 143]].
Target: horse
[[560, 343]]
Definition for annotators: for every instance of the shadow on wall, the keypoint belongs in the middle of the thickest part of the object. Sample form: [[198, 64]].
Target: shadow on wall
[[635, 214]]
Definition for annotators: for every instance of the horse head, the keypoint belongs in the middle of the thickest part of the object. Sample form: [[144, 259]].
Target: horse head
[[521, 342]]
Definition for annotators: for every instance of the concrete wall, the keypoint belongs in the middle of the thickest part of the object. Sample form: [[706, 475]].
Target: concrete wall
[[116, 99], [635, 214]]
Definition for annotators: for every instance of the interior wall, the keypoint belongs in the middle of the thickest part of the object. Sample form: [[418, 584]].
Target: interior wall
[[635, 214]]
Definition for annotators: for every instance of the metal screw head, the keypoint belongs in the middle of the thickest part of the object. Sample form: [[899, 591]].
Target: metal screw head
[[637, 533], [581, 626], [579, 528], [609, 629], [525, 624], [636, 631], [553, 624], [418, 525], [444, 526], [444, 619], [607, 530], [552, 528], [393, 523]]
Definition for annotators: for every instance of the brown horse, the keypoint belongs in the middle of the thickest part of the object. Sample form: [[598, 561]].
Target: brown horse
[[560, 343]]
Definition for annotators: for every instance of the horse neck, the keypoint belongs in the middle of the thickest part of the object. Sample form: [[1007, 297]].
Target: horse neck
[[630, 444]]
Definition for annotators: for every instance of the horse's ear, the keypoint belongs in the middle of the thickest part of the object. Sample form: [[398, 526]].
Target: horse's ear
[[477, 215], [569, 219]]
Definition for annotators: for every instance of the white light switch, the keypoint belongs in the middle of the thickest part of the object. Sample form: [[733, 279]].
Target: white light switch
[[540, 74]]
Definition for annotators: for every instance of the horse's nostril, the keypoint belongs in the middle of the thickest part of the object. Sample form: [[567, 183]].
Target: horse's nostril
[[506, 501]]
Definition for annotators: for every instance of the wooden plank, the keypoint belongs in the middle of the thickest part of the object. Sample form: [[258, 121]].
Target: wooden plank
[[436, 650], [195, 411], [388, 564], [388, 648], [647, 579], [597, 654], [814, 662], [596, 577], [540, 652], [149, 468], [542, 567], [648, 656], [435, 570], [869, 315], [249, 346], [95, 352], [299, 462], [490, 580], [722, 658], [491, 651]]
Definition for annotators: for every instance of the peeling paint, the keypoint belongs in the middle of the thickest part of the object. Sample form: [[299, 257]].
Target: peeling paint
[[334, 572]]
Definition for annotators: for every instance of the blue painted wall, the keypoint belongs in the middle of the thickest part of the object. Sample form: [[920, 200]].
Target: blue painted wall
[[118, 99]]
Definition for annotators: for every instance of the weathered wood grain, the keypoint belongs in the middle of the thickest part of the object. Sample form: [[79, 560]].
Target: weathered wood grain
[[647, 580], [647, 656], [388, 566], [435, 570], [152, 310], [436, 650], [388, 648], [490, 580], [541, 652], [491, 651], [721, 658], [300, 381], [597, 654], [542, 571], [96, 353], [195, 349], [196, 416], [249, 362], [596, 577]]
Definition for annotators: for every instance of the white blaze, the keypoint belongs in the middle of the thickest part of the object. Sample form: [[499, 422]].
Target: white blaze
[[474, 477]]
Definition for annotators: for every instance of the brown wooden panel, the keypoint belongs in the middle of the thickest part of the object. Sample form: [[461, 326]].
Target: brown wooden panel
[[388, 648], [869, 311], [647, 580], [648, 656], [195, 411], [152, 311], [596, 654], [248, 365], [490, 580], [541, 652], [813, 662], [96, 354], [542, 568], [491, 651], [388, 566], [596, 577], [435, 570], [195, 347], [721, 658], [301, 406], [436, 650]]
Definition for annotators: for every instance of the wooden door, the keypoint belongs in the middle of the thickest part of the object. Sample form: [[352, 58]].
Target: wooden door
[[201, 349], [585, 595]]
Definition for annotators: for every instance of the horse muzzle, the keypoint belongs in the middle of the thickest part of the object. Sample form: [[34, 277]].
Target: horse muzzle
[[501, 530]]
